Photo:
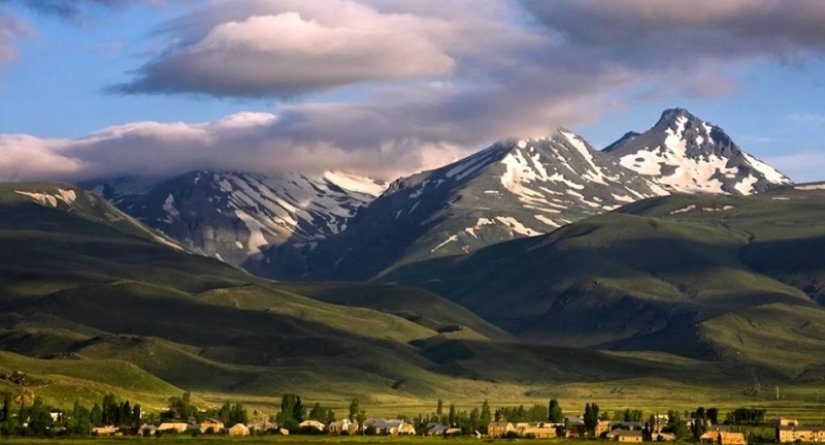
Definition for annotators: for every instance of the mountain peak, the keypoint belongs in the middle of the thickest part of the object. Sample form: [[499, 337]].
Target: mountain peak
[[670, 115], [686, 154]]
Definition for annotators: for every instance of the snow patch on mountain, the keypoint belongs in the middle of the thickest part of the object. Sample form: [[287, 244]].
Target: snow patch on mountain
[[68, 197]]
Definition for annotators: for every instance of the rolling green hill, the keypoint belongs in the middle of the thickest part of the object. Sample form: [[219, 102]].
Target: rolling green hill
[[707, 277], [91, 302]]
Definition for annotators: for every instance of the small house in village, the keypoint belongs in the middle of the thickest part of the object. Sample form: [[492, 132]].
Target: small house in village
[[500, 429], [345, 426], [211, 425], [436, 429], [147, 430], [173, 427], [262, 427], [731, 438], [312, 425], [797, 433], [390, 427], [538, 430], [105, 430], [238, 429], [782, 421], [576, 428], [626, 435]]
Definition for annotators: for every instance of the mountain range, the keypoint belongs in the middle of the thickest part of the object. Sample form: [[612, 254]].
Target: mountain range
[[532, 268], [345, 227]]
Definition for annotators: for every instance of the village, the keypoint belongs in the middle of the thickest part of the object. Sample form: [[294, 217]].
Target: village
[[114, 418]]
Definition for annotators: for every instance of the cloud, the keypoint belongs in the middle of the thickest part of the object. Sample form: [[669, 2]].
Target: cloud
[[421, 81], [662, 34], [289, 48], [11, 28], [253, 142], [73, 8]]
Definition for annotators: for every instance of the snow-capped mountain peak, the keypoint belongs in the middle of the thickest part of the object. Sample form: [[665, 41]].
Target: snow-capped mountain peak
[[235, 216], [683, 153]]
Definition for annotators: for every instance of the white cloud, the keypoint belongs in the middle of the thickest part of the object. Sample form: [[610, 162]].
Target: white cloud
[[287, 48], [244, 142]]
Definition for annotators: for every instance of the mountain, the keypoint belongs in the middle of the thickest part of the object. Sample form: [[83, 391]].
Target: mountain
[[522, 188], [234, 216], [685, 154], [92, 302], [711, 277]]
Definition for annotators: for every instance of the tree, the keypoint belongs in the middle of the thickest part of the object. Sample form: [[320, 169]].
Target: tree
[[486, 417], [591, 418], [713, 415], [125, 414], [136, 415], [700, 425], [330, 416], [5, 415], [360, 418], [556, 415], [181, 407], [353, 410], [40, 419], [474, 421], [439, 410], [96, 416], [452, 417]]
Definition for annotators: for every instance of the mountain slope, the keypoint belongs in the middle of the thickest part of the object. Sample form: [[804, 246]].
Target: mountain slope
[[510, 190], [676, 274], [685, 154], [234, 216], [522, 188]]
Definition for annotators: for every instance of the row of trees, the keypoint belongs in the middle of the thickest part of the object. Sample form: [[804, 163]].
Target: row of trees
[[37, 420]]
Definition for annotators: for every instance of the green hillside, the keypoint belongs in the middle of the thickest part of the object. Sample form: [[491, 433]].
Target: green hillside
[[686, 275], [92, 302]]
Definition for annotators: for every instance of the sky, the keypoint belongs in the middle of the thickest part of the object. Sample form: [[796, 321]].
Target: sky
[[108, 88]]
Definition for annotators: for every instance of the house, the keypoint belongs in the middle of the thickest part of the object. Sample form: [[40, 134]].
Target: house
[[104, 430], [500, 429], [147, 430], [173, 427], [390, 427], [343, 426], [213, 425], [712, 433], [56, 416], [312, 425], [435, 429], [575, 427], [262, 427], [730, 438], [626, 435], [782, 421], [539, 430], [453, 432], [283, 431], [788, 433], [664, 437], [238, 429]]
